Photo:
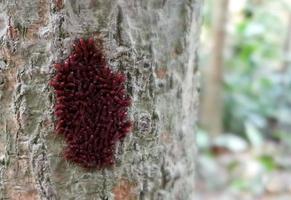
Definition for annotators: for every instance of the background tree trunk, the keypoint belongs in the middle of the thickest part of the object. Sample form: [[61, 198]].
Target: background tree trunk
[[154, 43], [287, 47], [212, 98]]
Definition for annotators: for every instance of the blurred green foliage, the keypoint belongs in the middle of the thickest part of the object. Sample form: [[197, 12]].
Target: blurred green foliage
[[254, 86], [257, 99], [251, 91]]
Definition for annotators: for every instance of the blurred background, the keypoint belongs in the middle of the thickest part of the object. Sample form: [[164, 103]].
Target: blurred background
[[244, 134]]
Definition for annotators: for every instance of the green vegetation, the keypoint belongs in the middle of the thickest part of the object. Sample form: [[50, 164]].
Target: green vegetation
[[256, 98]]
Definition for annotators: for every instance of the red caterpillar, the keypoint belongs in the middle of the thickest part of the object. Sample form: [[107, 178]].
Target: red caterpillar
[[91, 106]]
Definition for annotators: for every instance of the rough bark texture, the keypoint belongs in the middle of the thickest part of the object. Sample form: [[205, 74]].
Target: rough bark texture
[[154, 43]]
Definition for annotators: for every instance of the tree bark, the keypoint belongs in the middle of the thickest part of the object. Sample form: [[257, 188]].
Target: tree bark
[[154, 43], [212, 102]]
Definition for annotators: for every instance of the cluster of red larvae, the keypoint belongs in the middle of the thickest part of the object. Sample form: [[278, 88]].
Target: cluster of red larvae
[[91, 106]]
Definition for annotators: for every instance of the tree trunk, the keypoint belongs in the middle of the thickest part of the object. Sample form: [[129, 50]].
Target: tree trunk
[[212, 102], [287, 47], [154, 43]]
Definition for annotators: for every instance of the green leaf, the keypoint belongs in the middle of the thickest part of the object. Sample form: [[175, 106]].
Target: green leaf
[[240, 184], [253, 134], [268, 162]]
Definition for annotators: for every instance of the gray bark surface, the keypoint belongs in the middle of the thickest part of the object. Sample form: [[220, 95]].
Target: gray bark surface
[[154, 43]]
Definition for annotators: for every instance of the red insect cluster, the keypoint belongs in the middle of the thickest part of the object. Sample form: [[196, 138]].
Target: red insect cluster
[[91, 106]]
